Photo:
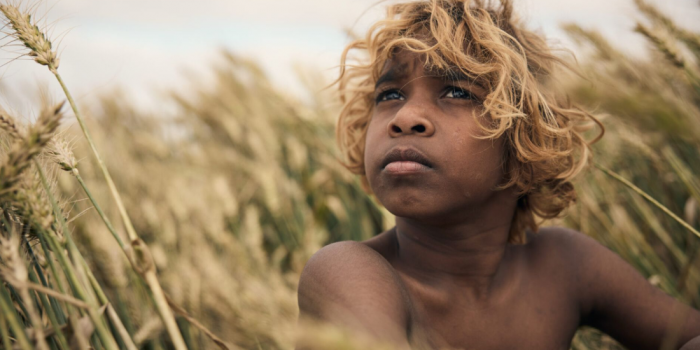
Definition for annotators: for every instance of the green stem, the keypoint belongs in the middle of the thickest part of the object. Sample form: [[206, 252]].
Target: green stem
[[52, 316], [60, 317], [151, 281], [646, 196], [111, 314], [112, 188], [100, 293], [48, 307], [72, 311], [4, 332], [96, 342], [52, 266], [99, 211], [19, 301], [100, 326], [10, 315], [164, 309], [150, 277], [33, 306], [78, 289], [122, 311]]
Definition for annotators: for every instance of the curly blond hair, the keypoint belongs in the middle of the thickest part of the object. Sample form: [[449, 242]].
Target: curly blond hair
[[545, 147]]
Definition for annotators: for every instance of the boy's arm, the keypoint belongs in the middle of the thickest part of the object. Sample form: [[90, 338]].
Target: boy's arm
[[351, 285], [692, 345], [616, 299]]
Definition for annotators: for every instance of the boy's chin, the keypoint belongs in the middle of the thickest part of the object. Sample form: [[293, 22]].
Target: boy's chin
[[414, 209]]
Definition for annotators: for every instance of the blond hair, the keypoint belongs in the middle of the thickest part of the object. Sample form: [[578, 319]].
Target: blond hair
[[545, 148]]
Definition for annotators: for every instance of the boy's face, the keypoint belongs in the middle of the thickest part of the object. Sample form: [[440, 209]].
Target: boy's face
[[429, 117]]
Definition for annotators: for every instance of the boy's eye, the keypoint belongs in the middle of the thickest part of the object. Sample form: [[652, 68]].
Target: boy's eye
[[455, 92], [389, 95]]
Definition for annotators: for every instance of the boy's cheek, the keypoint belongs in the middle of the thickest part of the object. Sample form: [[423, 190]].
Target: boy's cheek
[[480, 158], [372, 156]]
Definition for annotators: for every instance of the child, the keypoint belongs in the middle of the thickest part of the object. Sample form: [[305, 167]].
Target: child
[[449, 125]]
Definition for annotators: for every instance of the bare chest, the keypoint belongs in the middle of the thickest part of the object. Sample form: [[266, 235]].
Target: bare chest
[[527, 317]]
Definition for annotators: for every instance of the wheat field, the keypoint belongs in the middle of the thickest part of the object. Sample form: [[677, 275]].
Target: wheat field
[[125, 230]]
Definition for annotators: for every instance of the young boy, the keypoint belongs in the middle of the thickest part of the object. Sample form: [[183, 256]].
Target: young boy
[[450, 126]]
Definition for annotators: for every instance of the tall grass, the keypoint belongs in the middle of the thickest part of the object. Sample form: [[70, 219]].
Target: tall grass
[[653, 141], [231, 210], [234, 191]]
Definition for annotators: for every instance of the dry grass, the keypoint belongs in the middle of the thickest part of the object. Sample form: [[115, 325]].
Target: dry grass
[[652, 140], [235, 190]]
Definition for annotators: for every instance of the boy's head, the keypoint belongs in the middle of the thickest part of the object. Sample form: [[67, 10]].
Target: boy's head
[[460, 83]]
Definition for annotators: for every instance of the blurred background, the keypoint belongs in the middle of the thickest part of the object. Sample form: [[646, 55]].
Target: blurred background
[[212, 118], [154, 46]]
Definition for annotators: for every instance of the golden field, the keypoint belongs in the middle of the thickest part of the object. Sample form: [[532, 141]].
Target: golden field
[[224, 199]]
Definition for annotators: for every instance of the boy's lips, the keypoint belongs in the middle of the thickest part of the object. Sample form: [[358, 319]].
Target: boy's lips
[[402, 160], [403, 167]]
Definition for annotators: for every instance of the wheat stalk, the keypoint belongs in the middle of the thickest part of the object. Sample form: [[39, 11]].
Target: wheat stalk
[[75, 272], [11, 317], [646, 196], [22, 155], [51, 310], [40, 47], [9, 252], [220, 343]]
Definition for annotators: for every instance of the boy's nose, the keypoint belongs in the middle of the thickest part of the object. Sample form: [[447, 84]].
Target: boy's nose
[[410, 119]]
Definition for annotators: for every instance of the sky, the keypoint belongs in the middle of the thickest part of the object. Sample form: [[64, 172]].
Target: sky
[[150, 47]]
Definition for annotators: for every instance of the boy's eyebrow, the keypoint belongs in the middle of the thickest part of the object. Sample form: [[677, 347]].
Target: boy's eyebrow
[[394, 73], [451, 74]]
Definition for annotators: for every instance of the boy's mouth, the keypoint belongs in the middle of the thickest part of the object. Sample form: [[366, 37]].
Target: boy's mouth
[[405, 160], [403, 167]]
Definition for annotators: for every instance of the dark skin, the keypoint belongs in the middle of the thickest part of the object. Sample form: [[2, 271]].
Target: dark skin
[[445, 276]]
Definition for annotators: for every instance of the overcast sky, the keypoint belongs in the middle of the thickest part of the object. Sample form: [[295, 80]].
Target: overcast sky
[[146, 46]]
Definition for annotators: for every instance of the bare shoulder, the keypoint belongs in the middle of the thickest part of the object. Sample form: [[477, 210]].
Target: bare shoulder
[[588, 267], [562, 249], [612, 295], [557, 260], [585, 258], [564, 240], [347, 262], [350, 284], [569, 248]]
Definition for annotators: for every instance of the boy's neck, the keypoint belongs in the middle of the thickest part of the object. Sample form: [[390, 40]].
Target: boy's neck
[[467, 256]]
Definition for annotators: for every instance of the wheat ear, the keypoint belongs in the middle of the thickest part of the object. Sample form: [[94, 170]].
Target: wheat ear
[[670, 51], [138, 252], [692, 40], [29, 34], [664, 45], [63, 155], [25, 149], [8, 124]]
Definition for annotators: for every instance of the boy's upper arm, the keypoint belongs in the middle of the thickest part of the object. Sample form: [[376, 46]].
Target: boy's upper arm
[[349, 284], [619, 301]]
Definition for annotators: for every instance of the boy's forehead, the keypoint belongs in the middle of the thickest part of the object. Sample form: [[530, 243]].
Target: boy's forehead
[[403, 64]]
